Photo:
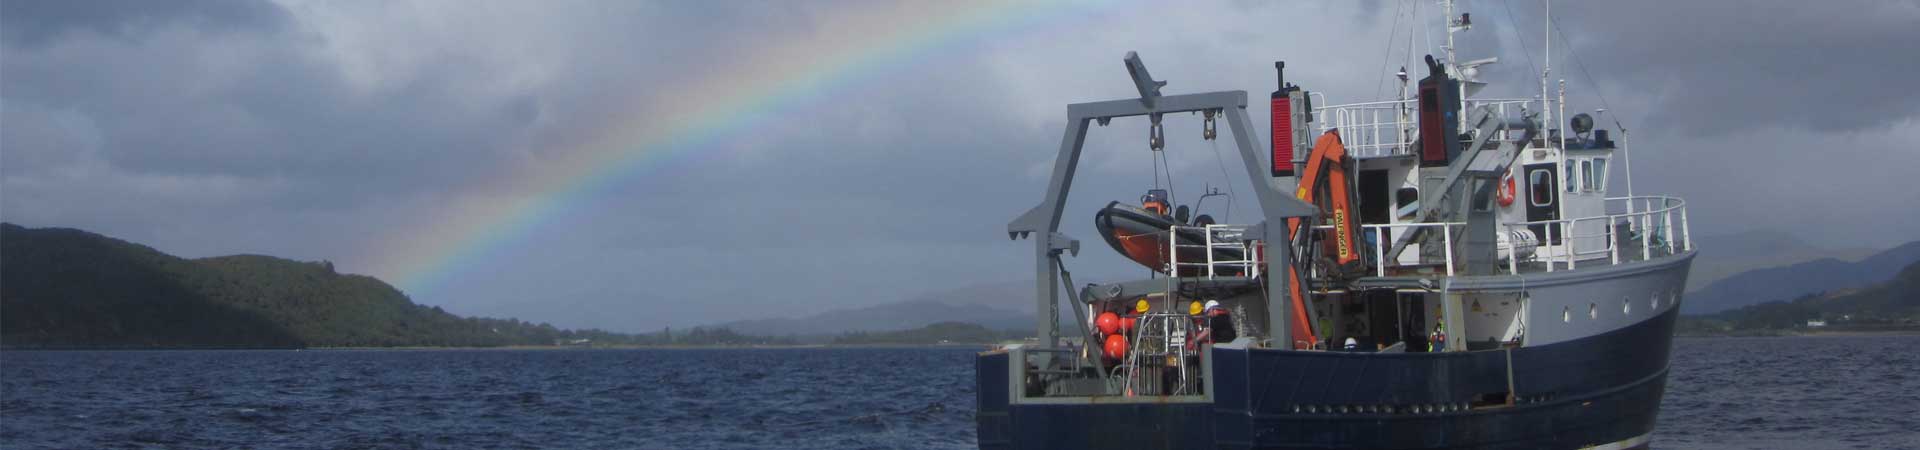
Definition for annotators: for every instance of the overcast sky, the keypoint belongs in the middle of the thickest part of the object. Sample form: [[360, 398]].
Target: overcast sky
[[339, 130]]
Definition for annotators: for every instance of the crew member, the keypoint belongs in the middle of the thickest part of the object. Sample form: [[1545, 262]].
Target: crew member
[[1219, 325], [1437, 341]]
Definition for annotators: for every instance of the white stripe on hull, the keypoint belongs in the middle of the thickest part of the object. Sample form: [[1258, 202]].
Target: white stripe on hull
[[1633, 442]]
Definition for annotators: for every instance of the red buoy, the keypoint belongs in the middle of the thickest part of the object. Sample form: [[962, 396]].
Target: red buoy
[[1108, 322], [1116, 346], [1126, 325]]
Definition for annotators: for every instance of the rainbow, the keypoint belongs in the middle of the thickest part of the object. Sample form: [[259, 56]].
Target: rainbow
[[850, 47]]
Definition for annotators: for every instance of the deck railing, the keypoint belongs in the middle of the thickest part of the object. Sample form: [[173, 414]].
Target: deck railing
[[1216, 237], [1380, 241], [1375, 129], [1648, 220], [1635, 229]]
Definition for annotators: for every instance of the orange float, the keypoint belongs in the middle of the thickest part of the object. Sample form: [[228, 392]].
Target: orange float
[[1107, 322], [1116, 347]]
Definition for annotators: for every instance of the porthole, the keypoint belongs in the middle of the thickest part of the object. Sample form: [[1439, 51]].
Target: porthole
[[1593, 311], [1566, 315], [1626, 306]]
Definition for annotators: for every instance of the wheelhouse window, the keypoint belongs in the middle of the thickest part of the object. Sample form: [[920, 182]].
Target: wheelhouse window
[[1573, 181], [1406, 202], [1600, 174], [1586, 175], [1540, 187]]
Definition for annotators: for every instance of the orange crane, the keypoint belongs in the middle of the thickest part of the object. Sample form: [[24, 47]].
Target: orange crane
[[1327, 161]]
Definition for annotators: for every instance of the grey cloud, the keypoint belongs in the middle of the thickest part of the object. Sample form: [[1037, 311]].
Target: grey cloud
[[310, 131], [1718, 68], [38, 22]]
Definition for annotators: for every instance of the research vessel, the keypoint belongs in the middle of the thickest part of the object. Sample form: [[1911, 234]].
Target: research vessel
[[1437, 271]]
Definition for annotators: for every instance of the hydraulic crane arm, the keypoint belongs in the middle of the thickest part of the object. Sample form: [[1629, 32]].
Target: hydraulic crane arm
[[1328, 161], [1323, 184]]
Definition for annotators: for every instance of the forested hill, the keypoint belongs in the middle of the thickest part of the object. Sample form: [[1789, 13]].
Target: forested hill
[[67, 288], [1894, 304]]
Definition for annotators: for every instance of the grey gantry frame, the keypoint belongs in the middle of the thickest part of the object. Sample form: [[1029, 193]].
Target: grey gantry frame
[[1044, 220]]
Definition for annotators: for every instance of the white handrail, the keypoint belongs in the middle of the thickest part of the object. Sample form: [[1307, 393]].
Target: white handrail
[[1380, 264], [1372, 129], [1249, 262], [1654, 222], [1567, 254]]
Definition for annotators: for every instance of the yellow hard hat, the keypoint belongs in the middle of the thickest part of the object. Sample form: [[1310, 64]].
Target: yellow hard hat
[[1193, 308], [1141, 306]]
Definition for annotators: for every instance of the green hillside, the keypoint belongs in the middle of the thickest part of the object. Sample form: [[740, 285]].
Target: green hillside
[[67, 288], [938, 333], [1894, 304]]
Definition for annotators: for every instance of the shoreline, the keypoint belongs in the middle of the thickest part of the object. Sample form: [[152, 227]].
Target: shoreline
[[507, 347], [1805, 333]]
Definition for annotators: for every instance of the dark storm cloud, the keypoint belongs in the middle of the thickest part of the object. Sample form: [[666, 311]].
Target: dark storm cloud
[[38, 22], [232, 91], [1723, 67], [310, 129]]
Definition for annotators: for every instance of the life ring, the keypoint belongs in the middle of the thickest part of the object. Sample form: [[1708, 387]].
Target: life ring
[[1505, 192]]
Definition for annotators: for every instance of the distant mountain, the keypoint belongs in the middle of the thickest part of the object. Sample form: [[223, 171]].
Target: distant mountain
[[68, 288], [1894, 302], [938, 333], [1725, 255], [1899, 297], [1788, 282], [894, 316]]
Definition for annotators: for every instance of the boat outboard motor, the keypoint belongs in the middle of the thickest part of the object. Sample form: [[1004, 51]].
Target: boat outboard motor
[[1156, 201]]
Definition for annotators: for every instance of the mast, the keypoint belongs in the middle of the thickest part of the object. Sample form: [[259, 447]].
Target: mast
[[1561, 103], [1453, 63], [1546, 70]]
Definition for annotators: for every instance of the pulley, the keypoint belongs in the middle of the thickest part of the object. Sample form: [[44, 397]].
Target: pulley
[[1156, 138], [1206, 125]]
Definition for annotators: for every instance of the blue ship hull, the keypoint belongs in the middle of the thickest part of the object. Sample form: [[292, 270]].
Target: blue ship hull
[[1599, 391]]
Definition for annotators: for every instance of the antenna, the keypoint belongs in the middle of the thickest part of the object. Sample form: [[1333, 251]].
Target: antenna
[[1459, 73], [1546, 69]]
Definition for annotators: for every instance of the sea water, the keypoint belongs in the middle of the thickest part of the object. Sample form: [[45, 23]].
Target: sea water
[[1723, 393]]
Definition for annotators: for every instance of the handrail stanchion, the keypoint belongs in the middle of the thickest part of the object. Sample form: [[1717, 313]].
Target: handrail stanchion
[[1207, 231], [1646, 236], [1567, 236], [1686, 234], [1379, 251], [1513, 252], [1547, 241], [1666, 230], [1613, 251], [1647, 216], [1173, 253]]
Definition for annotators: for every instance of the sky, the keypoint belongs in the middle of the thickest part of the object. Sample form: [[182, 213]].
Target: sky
[[635, 165]]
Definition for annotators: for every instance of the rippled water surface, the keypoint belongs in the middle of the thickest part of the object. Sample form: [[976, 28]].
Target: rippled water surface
[[1828, 392]]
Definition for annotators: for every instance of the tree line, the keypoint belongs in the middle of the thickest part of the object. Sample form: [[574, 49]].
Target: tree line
[[67, 288]]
